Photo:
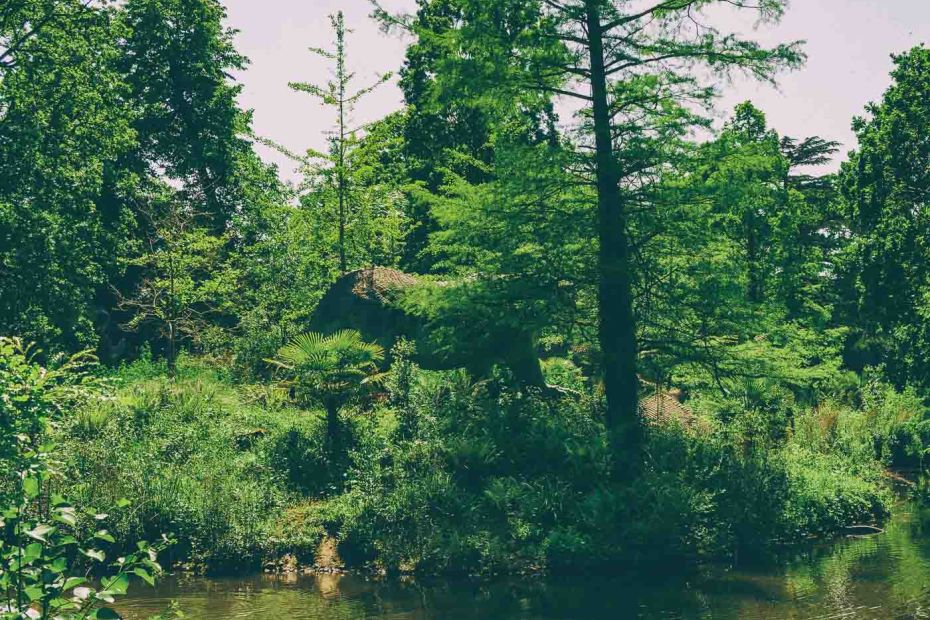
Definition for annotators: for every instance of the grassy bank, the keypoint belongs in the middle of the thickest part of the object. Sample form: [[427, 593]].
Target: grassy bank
[[444, 474]]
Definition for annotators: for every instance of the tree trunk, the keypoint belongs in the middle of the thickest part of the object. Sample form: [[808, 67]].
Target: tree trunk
[[342, 79], [332, 429], [172, 357], [617, 332], [756, 292]]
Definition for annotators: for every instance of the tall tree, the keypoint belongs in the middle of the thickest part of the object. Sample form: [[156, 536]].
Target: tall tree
[[181, 283], [65, 137], [451, 124], [441, 123], [886, 187], [736, 278], [177, 59], [632, 67], [340, 95], [809, 230], [750, 189]]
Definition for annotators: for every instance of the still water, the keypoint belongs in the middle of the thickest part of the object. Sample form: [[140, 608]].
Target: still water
[[881, 577]]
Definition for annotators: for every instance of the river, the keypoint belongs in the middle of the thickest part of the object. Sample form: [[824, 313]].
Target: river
[[886, 576]]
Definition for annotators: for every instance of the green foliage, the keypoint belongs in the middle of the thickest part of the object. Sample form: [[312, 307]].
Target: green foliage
[[453, 475], [33, 398], [461, 495], [182, 282], [49, 548], [45, 570], [787, 310], [330, 369], [883, 185], [189, 454], [890, 426], [64, 179], [176, 58]]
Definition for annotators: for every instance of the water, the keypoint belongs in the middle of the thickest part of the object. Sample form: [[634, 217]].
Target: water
[[881, 577]]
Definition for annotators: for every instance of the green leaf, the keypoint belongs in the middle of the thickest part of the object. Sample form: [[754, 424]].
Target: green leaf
[[73, 582], [145, 576], [94, 554], [66, 515], [104, 596], [40, 532], [105, 535], [118, 584], [33, 551], [31, 487]]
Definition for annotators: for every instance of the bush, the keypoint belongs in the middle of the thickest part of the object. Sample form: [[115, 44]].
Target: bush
[[32, 398], [192, 457], [828, 493], [501, 479], [50, 547], [46, 559]]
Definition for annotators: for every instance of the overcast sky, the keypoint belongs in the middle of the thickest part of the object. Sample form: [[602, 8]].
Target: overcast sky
[[849, 43]]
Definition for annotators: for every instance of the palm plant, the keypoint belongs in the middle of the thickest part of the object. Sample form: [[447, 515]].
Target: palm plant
[[333, 370]]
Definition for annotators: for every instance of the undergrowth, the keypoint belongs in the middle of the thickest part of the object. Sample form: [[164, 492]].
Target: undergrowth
[[444, 474]]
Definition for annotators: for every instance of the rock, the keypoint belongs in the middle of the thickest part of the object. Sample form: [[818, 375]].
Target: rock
[[327, 557]]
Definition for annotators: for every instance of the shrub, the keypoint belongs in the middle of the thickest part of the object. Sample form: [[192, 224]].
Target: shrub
[[45, 562], [192, 458], [33, 397], [48, 547]]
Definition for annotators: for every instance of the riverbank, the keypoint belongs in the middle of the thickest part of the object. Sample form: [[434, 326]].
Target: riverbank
[[858, 578], [459, 477]]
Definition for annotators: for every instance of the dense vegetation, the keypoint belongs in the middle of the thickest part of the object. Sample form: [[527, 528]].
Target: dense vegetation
[[733, 348]]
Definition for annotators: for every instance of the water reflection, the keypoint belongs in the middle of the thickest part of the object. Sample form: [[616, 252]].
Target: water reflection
[[881, 577]]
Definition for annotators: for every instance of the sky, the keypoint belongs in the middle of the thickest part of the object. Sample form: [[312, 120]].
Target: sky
[[848, 42]]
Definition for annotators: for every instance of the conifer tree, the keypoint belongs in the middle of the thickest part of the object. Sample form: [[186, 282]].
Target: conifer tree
[[339, 95], [632, 67]]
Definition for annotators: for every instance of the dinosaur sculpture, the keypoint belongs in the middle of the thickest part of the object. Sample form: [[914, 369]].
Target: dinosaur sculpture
[[369, 300]]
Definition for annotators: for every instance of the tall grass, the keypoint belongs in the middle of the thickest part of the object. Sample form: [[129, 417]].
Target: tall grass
[[194, 457]]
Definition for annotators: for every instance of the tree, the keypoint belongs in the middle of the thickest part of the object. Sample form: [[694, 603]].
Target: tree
[[451, 125], [333, 370], [516, 245], [734, 277], [885, 187], [177, 59], [181, 284], [439, 123], [22, 21], [633, 69], [810, 232], [339, 95], [749, 188], [65, 183]]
